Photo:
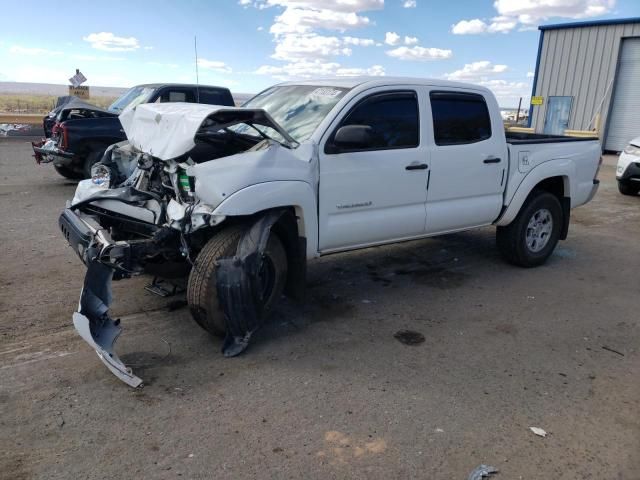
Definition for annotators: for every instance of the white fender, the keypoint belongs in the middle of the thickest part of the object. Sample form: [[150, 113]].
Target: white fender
[[288, 193], [564, 168]]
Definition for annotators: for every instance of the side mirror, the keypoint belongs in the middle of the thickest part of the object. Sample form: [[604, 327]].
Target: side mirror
[[353, 137]]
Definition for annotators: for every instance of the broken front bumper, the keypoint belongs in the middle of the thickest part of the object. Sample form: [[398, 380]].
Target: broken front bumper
[[47, 151], [103, 258]]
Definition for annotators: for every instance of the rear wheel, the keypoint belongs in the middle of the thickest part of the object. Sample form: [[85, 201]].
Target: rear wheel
[[68, 172], [94, 157], [627, 188], [532, 236], [202, 293]]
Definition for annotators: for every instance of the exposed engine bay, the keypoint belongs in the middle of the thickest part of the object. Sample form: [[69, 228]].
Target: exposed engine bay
[[149, 208]]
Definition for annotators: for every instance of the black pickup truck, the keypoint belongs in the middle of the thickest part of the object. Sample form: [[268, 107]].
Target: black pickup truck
[[77, 133]]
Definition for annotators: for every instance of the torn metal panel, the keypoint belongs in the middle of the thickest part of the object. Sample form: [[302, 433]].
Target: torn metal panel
[[94, 324], [239, 288]]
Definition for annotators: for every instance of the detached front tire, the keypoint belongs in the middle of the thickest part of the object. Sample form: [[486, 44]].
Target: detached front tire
[[531, 237], [202, 293]]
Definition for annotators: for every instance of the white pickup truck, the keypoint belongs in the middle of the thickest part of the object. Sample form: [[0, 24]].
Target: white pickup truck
[[240, 198]]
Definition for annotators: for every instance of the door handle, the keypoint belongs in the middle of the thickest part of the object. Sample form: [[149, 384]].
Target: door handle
[[417, 166], [491, 160]]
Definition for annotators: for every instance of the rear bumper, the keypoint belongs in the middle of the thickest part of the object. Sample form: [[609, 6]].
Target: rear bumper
[[46, 151]]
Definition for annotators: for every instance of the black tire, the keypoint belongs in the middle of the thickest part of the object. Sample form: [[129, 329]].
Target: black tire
[[68, 172], [202, 294], [512, 240], [93, 157], [626, 188]]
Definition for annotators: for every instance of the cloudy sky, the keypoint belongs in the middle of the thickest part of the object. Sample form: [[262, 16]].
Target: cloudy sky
[[248, 45]]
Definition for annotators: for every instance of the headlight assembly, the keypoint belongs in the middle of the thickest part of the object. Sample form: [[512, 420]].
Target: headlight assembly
[[632, 150], [101, 175]]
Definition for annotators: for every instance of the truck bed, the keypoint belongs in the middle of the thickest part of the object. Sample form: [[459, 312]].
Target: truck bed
[[518, 138]]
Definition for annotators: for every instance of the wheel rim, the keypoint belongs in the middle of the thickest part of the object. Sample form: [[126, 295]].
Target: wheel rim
[[539, 230]]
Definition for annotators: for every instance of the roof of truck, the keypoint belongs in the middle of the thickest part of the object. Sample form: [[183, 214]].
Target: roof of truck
[[380, 81], [187, 85]]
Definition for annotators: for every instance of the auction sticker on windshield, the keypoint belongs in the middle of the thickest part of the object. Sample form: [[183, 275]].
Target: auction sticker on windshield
[[326, 92]]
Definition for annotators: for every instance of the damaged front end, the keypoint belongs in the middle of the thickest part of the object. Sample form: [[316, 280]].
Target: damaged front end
[[139, 213]]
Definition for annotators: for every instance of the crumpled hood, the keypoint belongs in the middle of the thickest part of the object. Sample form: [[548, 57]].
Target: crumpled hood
[[635, 142], [167, 130]]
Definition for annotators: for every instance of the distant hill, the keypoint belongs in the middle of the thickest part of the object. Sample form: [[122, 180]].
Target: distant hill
[[53, 89]]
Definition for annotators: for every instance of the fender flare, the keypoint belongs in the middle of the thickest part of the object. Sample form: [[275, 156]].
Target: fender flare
[[563, 167], [268, 195]]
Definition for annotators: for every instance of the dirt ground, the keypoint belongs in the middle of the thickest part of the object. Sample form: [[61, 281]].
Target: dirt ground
[[326, 390]]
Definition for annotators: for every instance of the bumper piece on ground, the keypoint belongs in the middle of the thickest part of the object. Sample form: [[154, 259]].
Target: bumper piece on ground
[[94, 324]]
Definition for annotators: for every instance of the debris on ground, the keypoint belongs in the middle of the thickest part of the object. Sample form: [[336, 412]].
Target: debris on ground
[[538, 431], [481, 472], [609, 349], [409, 337]]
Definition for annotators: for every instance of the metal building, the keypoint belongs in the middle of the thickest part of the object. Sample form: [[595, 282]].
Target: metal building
[[588, 75]]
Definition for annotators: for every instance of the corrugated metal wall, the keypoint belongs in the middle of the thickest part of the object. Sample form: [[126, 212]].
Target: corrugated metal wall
[[580, 62]]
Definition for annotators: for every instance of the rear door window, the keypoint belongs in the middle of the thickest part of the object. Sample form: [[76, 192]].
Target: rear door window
[[215, 97], [459, 118], [177, 95]]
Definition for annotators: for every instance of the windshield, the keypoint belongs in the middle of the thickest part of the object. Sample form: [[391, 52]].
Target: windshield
[[133, 97], [298, 109]]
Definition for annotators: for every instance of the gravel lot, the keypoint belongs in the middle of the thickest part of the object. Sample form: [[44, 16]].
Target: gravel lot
[[326, 391]]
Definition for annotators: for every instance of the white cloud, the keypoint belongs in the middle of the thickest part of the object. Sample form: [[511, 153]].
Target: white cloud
[[502, 24], [335, 5], [508, 93], [148, 47], [301, 40], [261, 28], [410, 4], [391, 38], [410, 40], [530, 74], [214, 65], [292, 47], [530, 13], [360, 42], [469, 27], [476, 72], [109, 42], [317, 68], [32, 51], [419, 53], [305, 20]]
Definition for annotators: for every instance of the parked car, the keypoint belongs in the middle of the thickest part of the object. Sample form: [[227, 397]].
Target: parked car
[[628, 169], [77, 133], [242, 197]]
